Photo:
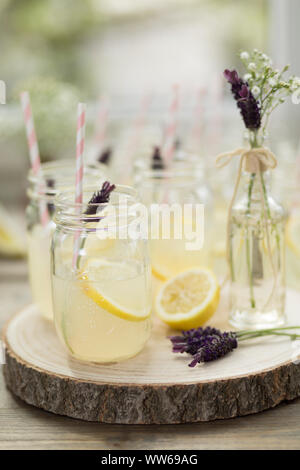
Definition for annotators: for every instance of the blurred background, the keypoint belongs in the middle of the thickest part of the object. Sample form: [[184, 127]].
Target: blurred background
[[122, 57]]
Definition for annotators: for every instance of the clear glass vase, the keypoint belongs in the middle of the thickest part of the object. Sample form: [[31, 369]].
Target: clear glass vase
[[256, 254]]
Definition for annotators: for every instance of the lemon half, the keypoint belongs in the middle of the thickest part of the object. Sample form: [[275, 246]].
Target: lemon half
[[189, 299]]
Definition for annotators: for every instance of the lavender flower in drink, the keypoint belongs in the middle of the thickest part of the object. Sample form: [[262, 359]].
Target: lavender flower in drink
[[157, 160], [105, 156], [99, 197]]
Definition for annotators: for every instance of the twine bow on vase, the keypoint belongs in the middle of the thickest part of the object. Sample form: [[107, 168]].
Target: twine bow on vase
[[254, 160]]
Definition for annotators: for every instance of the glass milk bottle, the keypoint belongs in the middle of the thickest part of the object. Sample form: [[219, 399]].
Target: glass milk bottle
[[256, 253], [102, 299], [56, 176]]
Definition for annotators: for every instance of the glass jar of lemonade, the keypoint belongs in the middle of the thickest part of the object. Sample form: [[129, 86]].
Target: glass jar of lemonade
[[102, 299], [184, 187], [56, 176]]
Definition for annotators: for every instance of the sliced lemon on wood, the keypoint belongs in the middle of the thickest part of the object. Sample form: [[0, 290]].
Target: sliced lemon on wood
[[293, 233], [189, 299], [119, 290]]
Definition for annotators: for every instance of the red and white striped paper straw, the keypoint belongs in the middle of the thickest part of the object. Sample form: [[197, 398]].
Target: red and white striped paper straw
[[80, 139], [170, 133], [34, 152]]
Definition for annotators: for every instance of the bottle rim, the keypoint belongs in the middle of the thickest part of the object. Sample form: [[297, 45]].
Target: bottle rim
[[74, 215], [55, 176]]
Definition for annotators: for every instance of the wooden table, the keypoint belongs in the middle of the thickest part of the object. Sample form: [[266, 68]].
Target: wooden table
[[25, 427]]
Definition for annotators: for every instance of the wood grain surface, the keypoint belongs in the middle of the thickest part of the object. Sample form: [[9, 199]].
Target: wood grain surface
[[26, 427]]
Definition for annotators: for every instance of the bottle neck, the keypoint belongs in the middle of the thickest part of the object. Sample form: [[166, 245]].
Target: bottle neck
[[56, 177], [253, 183], [255, 139], [89, 216]]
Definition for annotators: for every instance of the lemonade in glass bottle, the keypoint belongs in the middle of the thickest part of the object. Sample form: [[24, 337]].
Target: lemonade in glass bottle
[[102, 299], [182, 185], [56, 176]]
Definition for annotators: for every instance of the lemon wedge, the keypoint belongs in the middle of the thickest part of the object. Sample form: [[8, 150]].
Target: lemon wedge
[[119, 289], [293, 233], [11, 243], [189, 299]]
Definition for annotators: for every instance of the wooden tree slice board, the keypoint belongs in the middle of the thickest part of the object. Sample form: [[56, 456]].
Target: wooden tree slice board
[[156, 386]]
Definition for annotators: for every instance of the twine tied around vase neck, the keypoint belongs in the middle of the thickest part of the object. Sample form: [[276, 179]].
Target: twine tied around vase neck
[[254, 160]]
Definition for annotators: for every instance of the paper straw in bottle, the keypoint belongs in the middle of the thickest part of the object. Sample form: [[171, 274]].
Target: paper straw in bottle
[[168, 146], [80, 139], [34, 153]]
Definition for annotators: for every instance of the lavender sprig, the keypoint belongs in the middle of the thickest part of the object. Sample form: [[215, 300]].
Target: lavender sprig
[[157, 160], [99, 197], [208, 344], [246, 102], [266, 88], [105, 156]]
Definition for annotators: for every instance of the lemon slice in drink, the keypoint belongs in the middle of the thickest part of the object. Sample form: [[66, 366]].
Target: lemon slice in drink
[[159, 274], [117, 288], [189, 299], [293, 233]]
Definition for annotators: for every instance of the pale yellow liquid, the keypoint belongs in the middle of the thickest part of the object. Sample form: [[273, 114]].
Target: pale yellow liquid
[[172, 256], [219, 239], [292, 268], [92, 333], [39, 269], [293, 252]]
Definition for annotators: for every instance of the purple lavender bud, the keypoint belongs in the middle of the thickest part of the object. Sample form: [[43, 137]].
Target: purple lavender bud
[[105, 156], [246, 102], [99, 197], [157, 160], [231, 76], [244, 92], [204, 344], [214, 348]]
